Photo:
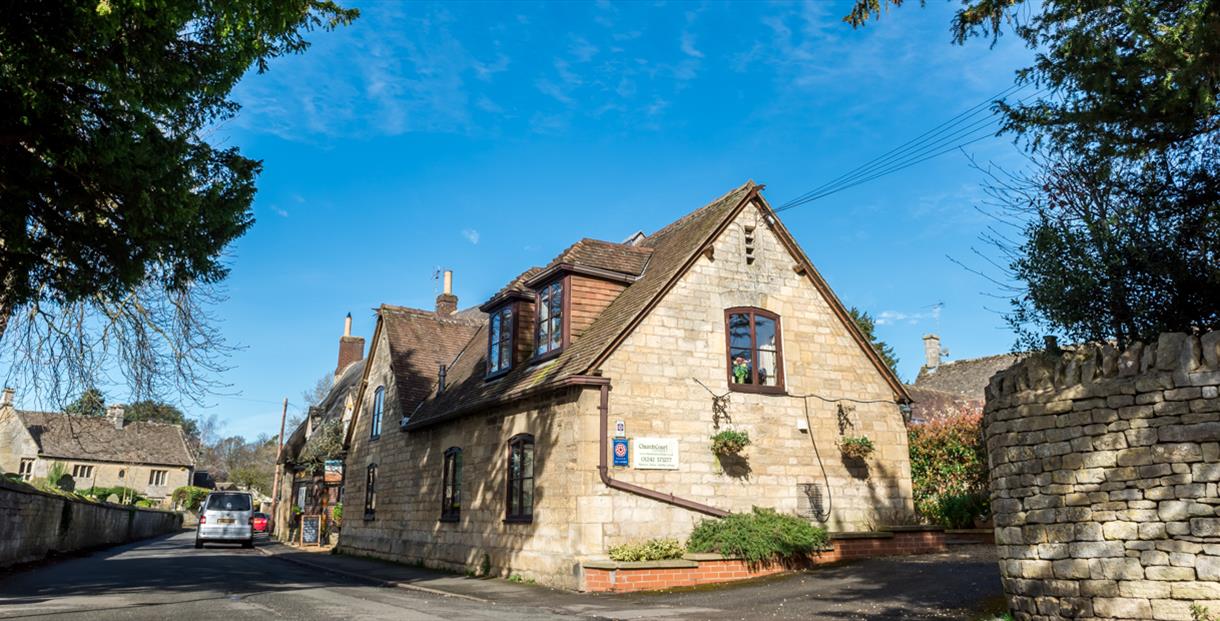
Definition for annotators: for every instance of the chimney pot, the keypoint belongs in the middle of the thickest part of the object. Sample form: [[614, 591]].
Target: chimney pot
[[448, 282], [7, 399], [931, 351], [347, 325]]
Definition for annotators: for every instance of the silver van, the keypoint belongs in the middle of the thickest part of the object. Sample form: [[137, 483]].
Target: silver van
[[226, 517]]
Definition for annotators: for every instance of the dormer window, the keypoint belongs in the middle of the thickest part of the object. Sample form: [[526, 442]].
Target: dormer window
[[549, 330], [500, 341]]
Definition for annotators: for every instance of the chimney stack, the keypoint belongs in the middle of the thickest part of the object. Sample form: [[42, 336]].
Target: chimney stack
[[351, 348], [446, 302], [114, 414], [7, 400], [931, 351]]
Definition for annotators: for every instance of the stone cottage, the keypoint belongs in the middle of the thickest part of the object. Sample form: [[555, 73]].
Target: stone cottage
[[947, 388], [578, 413], [152, 458]]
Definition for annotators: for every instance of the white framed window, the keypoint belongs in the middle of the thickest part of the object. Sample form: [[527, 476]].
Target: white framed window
[[82, 471], [157, 477], [26, 469]]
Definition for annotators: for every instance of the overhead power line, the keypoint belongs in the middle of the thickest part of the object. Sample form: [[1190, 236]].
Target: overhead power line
[[963, 129]]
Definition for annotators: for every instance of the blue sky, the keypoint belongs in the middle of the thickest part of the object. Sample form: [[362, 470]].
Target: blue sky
[[485, 138]]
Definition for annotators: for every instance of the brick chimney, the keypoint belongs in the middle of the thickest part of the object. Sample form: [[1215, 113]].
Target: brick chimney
[[7, 400], [351, 348], [446, 302], [931, 351], [114, 414]]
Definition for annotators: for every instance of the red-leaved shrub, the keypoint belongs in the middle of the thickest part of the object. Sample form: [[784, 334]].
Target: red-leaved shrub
[[948, 458]]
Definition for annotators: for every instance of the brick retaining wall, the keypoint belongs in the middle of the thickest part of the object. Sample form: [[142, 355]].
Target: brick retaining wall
[[700, 569], [1104, 470]]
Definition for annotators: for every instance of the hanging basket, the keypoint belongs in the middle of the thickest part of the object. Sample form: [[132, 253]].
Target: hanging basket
[[856, 447], [730, 442]]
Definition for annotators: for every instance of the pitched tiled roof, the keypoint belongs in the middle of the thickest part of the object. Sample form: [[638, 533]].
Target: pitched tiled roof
[[420, 341], [965, 377], [331, 406], [96, 438], [665, 254], [604, 255]]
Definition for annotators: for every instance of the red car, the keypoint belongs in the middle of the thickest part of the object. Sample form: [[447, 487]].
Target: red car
[[259, 521]]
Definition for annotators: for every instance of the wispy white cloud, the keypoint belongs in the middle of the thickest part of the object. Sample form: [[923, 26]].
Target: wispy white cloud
[[471, 236], [891, 317], [688, 45]]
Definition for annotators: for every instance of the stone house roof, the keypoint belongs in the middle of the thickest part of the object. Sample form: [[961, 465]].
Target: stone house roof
[[95, 438], [420, 342], [966, 378], [330, 408], [651, 265]]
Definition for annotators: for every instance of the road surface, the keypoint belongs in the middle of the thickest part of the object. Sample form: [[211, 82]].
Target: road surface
[[166, 578]]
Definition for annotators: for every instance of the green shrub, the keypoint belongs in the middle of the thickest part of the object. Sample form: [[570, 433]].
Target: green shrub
[[189, 497], [959, 510], [948, 458], [336, 514], [650, 550], [856, 447], [759, 536], [125, 495], [730, 442], [147, 504]]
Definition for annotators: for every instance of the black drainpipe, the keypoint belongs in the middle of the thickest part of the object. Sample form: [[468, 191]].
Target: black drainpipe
[[604, 471]]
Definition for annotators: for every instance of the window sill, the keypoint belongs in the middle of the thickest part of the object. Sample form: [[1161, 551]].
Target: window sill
[[496, 375], [453, 519], [374, 438], [547, 356], [754, 388], [529, 519]]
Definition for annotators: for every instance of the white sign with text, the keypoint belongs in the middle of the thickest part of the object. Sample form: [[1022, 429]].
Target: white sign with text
[[656, 453]]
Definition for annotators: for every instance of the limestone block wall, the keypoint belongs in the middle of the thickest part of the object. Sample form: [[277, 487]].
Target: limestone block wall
[[1104, 471], [34, 524]]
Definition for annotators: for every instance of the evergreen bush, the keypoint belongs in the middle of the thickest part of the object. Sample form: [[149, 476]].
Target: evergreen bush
[[650, 550], [758, 536]]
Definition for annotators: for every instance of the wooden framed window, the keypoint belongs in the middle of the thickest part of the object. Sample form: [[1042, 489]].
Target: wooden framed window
[[378, 407], [81, 471], [500, 342], [755, 350], [520, 479], [26, 469], [157, 477], [370, 492], [549, 333], [451, 486]]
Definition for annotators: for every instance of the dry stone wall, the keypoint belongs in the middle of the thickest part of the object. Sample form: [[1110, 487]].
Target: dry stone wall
[[34, 524], [1104, 471]]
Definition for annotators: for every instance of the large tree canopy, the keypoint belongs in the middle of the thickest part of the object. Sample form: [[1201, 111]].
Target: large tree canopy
[[1120, 214], [114, 205]]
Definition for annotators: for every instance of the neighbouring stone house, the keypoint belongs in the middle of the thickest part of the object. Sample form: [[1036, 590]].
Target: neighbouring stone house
[[945, 388], [152, 458], [306, 487], [578, 413]]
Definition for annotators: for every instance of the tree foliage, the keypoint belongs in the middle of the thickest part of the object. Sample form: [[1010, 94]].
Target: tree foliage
[[116, 209], [91, 402], [868, 326], [160, 412], [1119, 216]]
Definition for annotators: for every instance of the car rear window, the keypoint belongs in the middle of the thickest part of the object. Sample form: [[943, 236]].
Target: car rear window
[[229, 502]]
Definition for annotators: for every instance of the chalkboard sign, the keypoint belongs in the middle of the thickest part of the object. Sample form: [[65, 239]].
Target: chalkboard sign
[[311, 530]]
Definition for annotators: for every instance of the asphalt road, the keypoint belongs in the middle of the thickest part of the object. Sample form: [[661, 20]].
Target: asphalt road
[[166, 578]]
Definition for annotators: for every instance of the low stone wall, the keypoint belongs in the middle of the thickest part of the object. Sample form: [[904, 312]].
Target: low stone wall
[[1104, 471], [699, 569], [34, 524]]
